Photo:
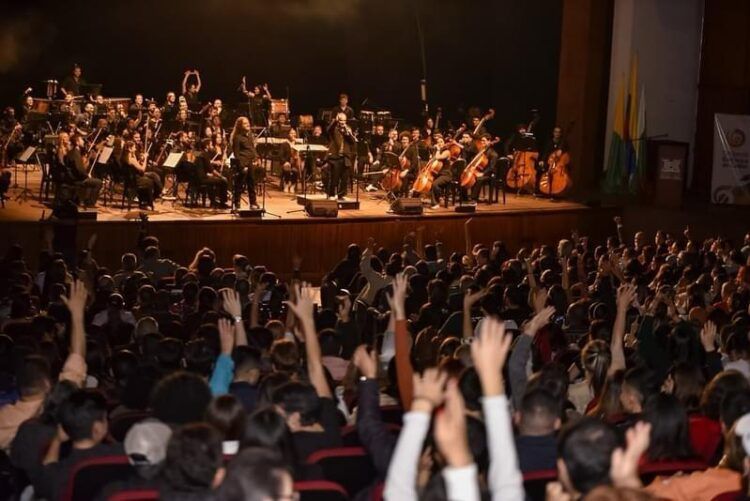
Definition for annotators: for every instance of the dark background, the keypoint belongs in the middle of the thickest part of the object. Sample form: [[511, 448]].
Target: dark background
[[498, 53]]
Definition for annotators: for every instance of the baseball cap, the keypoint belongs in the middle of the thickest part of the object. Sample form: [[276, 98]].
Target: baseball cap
[[146, 442]]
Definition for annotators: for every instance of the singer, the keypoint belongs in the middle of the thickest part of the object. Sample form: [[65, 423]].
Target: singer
[[342, 148]]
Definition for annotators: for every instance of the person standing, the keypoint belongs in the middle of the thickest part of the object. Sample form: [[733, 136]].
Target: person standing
[[245, 158], [342, 149]]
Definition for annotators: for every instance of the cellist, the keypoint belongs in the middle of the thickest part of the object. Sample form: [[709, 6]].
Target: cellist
[[445, 175], [556, 142], [489, 172], [409, 153]]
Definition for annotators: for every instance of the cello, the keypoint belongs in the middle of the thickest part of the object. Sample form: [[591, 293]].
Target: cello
[[394, 178], [476, 165], [487, 116], [556, 181], [423, 182], [522, 175]]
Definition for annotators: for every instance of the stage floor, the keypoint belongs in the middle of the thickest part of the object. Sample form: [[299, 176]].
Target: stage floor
[[372, 205]]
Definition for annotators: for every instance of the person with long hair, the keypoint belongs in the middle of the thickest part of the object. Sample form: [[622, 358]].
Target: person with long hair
[[245, 159]]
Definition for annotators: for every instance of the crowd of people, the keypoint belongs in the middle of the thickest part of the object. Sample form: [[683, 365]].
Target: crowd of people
[[600, 368]]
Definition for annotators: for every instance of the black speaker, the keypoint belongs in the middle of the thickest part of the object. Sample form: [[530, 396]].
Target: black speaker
[[255, 213], [408, 206], [322, 208]]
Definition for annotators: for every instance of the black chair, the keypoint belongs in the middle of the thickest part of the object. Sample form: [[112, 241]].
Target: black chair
[[89, 476], [535, 484], [351, 467]]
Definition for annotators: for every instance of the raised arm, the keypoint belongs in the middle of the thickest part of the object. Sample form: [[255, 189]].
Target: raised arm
[[467, 238], [184, 82], [223, 372], [403, 342], [266, 91], [489, 352], [231, 302], [625, 296], [470, 300], [198, 83], [519, 356], [76, 303], [303, 310]]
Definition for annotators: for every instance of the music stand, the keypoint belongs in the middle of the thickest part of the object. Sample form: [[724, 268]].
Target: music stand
[[170, 163], [24, 158]]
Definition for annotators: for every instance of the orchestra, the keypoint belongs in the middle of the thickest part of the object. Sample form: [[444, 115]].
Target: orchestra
[[430, 161]]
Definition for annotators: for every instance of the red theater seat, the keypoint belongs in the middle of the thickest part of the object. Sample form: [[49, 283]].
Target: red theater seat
[[350, 467]]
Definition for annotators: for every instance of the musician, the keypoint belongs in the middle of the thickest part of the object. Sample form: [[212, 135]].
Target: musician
[[136, 109], [260, 102], [245, 157], [520, 140], [8, 121], [489, 173], [190, 91], [148, 184], [428, 130], [27, 107], [84, 120], [69, 109], [75, 162], [71, 85], [445, 176], [378, 138], [290, 162], [99, 105], [281, 128], [317, 136], [208, 177], [556, 142], [182, 123], [410, 151], [342, 149], [169, 110], [343, 107], [478, 132]]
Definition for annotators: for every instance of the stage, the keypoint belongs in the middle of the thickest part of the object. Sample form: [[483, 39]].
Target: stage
[[523, 220]]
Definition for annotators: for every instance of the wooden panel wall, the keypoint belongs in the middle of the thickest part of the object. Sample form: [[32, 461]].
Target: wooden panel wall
[[321, 243]]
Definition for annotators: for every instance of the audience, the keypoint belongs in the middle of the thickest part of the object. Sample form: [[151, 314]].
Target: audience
[[612, 371]]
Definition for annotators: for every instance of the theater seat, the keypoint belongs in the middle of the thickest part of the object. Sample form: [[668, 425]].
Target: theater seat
[[320, 490], [350, 467], [649, 471], [535, 484], [393, 414], [730, 496], [135, 495], [88, 477], [705, 437]]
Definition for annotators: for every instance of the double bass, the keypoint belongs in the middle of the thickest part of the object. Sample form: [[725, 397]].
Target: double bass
[[476, 165], [556, 181], [522, 174]]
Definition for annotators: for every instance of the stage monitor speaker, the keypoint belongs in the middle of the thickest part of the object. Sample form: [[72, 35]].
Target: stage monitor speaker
[[322, 208], [257, 213], [408, 206]]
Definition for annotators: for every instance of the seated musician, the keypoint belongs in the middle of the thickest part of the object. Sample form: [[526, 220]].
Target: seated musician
[[290, 162], [478, 129], [169, 110], [280, 129], [136, 109], [378, 138], [148, 184], [445, 175], [75, 161], [208, 178], [489, 173], [409, 149], [343, 107], [84, 120], [27, 107]]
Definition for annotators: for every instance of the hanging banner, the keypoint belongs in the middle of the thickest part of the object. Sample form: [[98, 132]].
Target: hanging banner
[[730, 181]]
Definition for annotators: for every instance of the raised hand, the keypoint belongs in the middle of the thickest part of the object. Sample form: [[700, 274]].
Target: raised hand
[[397, 299], [230, 300], [489, 352], [302, 304], [366, 363], [344, 309], [626, 295], [538, 321], [226, 336], [450, 429], [623, 470], [540, 299], [428, 390], [76, 299], [708, 336], [471, 298]]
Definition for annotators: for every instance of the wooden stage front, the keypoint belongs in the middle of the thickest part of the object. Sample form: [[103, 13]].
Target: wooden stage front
[[522, 221]]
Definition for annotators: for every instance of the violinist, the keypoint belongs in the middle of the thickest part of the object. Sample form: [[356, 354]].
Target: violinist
[[342, 150], [169, 110], [290, 162], [445, 175], [148, 184], [76, 162], [136, 109], [489, 172]]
